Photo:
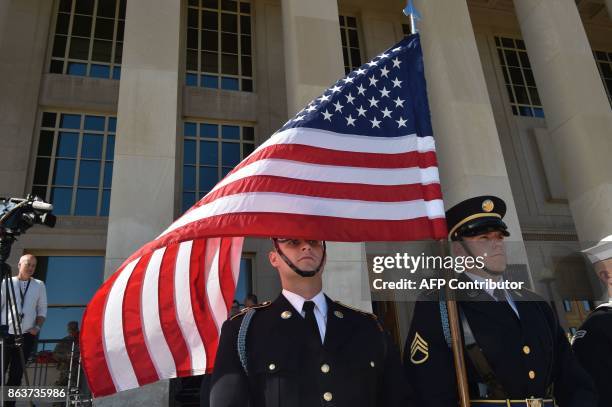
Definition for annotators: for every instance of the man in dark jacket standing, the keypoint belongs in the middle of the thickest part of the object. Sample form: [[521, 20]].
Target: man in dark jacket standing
[[305, 349]]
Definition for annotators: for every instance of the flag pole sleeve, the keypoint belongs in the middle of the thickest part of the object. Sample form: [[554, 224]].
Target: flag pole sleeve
[[456, 342]]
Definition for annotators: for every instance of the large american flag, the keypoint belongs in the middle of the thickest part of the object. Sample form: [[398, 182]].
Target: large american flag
[[357, 163]]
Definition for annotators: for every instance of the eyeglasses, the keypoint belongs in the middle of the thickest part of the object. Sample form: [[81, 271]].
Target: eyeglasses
[[297, 242]]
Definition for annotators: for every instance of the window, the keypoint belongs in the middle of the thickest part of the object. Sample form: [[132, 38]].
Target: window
[[244, 286], [350, 43], [406, 29], [604, 64], [74, 163], [219, 45], [518, 77], [88, 38], [567, 305], [210, 151], [71, 283]]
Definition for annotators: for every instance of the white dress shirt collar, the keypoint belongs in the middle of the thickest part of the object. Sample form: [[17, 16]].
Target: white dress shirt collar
[[297, 301]]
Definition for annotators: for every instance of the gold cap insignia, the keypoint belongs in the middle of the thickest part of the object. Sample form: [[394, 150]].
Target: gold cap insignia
[[286, 314], [339, 314], [487, 205], [419, 350]]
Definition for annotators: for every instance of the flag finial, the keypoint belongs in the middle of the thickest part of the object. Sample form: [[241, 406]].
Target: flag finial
[[411, 12]]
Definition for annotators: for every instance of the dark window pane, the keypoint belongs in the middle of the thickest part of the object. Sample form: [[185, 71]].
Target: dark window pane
[[75, 68], [208, 153], [89, 173], [112, 124], [84, 6], [210, 40], [189, 178], [192, 17], [94, 123], [79, 48], [40, 192], [61, 199], [521, 95], [229, 5], [65, 6], [110, 147], [67, 144], [343, 37], [511, 58], [225, 171], [81, 26], [248, 133], [609, 85], [63, 20], [63, 173], [56, 66], [229, 43], [245, 8], [245, 44], [188, 200], [189, 129], [341, 20], [120, 30], [118, 52], [501, 57], [209, 81], [191, 80], [247, 149], [497, 41], [230, 132], [106, 8], [524, 59], [48, 119], [70, 121], [351, 22], [345, 56], [355, 57], [192, 38], [353, 40], [507, 42], [246, 66], [230, 84], [210, 62], [230, 154], [104, 208], [92, 146], [514, 111], [192, 60], [529, 79], [210, 3], [99, 71], [86, 202], [538, 112], [506, 77], [535, 98], [510, 94], [72, 280], [189, 152], [59, 46], [41, 173], [606, 70], [108, 175], [229, 64], [525, 111], [516, 76], [247, 85], [208, 178], [209, 20], [245, 24], [520, 44], [209, 130], [229, 22], [104, 28], [45, 143], [122, 9], [117, 72]]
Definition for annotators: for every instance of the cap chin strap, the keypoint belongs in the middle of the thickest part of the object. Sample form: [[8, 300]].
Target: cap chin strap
[[302, 273]]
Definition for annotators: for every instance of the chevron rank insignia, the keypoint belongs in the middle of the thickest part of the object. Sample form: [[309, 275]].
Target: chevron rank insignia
[[419, 350]]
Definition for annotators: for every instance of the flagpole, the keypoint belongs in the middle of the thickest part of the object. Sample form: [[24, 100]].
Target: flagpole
[[451, 304]]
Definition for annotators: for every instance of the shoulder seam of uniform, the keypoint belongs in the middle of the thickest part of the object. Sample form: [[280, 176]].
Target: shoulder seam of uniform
[[371, 315], [245, 310]]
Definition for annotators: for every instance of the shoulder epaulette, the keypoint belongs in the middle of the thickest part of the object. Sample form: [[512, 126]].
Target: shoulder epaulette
[[373, 316], [257, 306]]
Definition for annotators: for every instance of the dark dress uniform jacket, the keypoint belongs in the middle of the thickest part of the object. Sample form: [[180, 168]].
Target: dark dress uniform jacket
[[593, 347], [527, 354], [362, 365]]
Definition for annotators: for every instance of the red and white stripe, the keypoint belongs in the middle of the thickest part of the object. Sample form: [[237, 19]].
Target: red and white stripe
[[159, 316]]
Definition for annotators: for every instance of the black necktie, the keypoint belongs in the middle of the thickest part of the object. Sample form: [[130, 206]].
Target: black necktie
[[499, 295], [311, 322]]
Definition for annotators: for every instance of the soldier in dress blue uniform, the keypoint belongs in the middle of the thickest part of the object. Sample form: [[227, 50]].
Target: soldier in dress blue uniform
[[305, 349], [516, 353], [592, 343]]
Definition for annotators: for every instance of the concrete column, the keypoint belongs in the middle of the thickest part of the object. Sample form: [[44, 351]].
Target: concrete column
[[24, 32], [609, 7], [577, 111], [144, 176], [313, 61], [469, 151]]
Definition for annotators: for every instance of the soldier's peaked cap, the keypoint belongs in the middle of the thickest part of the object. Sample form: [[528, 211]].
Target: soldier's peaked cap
[[476, 215]]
